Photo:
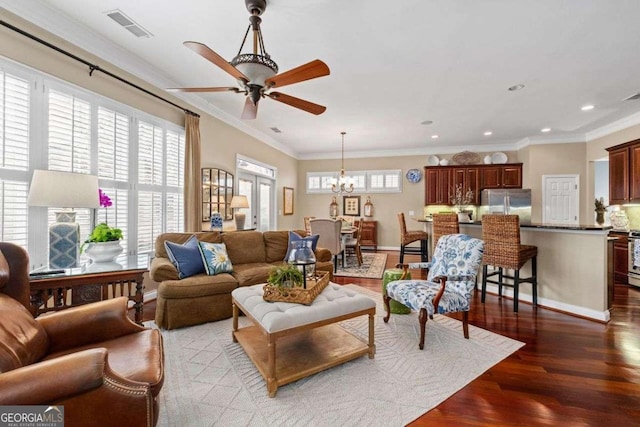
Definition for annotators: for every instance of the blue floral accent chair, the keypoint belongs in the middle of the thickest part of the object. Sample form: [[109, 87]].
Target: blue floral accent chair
[[449, 284]]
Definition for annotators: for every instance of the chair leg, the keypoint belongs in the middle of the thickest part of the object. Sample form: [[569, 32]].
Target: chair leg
[[422, 318], [401, 254], [359, 255], [534, 280], [465, 324], [424, 251], [500, 282], [516, 285], [387, 299], [335, 263], [483, 294]]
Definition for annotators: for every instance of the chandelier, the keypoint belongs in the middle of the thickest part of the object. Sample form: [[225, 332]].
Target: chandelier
[[342, 184]]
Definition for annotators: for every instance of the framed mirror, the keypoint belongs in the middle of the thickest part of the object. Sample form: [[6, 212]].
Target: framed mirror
[[217, 192]]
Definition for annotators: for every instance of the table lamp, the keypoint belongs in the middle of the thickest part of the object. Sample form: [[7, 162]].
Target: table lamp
[[63, 190], [239, 202]]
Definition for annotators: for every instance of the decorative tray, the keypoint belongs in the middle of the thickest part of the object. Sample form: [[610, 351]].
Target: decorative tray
[[297, 294], [466, 158]]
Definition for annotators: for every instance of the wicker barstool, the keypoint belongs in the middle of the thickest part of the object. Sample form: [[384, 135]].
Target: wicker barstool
[[408, 237], [443, 223], [502, 249]]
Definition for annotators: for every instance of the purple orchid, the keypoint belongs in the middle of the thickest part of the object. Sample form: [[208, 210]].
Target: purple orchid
[[105, 201]]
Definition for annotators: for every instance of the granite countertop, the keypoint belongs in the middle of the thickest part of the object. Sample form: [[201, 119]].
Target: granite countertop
[[586, 227]]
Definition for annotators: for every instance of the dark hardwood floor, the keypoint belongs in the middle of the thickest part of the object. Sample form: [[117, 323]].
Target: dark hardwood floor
[[571, 371]]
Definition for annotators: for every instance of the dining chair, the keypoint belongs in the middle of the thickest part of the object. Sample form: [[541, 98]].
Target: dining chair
[[408, 237], [330, 237], [449, 285], [352, 244]]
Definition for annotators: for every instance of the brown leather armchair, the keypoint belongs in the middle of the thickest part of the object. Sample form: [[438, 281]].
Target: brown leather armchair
[[105, 369]]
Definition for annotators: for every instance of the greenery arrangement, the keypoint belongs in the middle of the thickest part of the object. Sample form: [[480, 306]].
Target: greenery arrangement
[[286, 276], [600, 207], [103, 233]]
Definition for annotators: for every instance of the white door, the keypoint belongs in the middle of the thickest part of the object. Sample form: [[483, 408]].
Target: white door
[[259, 192], [560, 199]]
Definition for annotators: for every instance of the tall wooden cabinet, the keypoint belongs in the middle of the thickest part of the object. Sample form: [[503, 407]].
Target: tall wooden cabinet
[[440, 181], [624, 173]]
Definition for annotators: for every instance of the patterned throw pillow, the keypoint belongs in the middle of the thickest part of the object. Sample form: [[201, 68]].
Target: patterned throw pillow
[[295, 237], [215, 258], [186, 257]]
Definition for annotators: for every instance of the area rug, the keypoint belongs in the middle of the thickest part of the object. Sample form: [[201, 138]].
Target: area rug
[[372, 266], [210, 381]]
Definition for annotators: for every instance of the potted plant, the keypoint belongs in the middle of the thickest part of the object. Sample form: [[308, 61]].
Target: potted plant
[[104, 241], [287, 276], [461, 201]]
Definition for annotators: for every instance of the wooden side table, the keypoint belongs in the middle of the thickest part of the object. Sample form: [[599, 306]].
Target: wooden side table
[[77, 286]]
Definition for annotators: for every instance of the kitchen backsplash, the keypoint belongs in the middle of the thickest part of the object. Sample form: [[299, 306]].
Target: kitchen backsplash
[[633, 213]]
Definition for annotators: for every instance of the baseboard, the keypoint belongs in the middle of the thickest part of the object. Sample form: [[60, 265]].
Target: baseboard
[[150, 296]]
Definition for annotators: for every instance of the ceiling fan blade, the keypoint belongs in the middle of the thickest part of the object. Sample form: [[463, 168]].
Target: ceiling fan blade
[[203, 89], [308, 71], [210, 55], [307, 106], [250, 110]]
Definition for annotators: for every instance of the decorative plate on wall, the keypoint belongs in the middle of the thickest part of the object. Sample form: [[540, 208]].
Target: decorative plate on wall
[[414, 175], [466, 158]]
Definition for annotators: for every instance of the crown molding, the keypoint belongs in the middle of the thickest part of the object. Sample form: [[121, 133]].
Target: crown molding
[[613, 127]]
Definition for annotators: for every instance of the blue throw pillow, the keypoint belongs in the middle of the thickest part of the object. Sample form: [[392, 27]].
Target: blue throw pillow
[[215, 258], [186, 257], [295, 237]]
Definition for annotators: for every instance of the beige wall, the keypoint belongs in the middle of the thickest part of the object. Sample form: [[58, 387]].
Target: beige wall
[[554, 159], [220, 142]]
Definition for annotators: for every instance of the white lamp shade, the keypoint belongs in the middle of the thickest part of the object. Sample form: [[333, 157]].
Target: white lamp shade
[[239, 202], [63, 190]]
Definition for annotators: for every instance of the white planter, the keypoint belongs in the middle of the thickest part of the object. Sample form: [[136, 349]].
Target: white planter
[[463, 217], [103, 251]]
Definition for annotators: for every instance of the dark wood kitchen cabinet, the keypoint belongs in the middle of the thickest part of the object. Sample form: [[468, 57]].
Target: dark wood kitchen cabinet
[[501, 176], [469, 178], [440, 181], [437, 185], [620, 256], [624, 173]]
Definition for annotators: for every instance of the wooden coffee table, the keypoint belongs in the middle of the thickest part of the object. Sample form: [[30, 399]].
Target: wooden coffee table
[[288, 341]]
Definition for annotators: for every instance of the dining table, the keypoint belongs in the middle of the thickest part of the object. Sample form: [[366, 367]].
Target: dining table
[[345, 234]]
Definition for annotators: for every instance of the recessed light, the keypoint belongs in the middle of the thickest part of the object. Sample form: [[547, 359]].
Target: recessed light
[[545, 130], [427, 122], [434, 136], [587, 107], [488, 133], [516, 87]]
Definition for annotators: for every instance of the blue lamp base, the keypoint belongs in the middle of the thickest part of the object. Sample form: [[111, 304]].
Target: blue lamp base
[[64, 240]]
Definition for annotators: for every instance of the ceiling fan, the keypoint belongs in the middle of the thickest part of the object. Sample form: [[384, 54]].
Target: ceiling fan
[[256, 72]]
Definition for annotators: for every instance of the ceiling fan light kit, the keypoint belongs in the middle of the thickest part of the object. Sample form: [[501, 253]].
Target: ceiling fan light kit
[[256, 73]]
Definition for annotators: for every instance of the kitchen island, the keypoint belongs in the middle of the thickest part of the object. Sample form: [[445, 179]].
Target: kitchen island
[[572, 266]]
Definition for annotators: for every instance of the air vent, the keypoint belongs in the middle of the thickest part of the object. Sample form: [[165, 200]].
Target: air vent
[[276, 130], [633, 97], [128, 23]]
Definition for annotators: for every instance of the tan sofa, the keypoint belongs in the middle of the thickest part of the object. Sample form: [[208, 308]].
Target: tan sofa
[[201, 298]]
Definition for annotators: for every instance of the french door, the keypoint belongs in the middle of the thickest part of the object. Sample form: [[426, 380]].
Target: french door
[[261, 195]]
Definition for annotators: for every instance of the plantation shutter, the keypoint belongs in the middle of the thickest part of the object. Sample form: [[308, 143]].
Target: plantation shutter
[[69, 144], [113, 169], [175, 178], [15, 118], [150, 180]]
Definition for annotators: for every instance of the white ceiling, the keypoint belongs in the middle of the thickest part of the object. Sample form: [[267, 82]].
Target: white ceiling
[[393, 65]]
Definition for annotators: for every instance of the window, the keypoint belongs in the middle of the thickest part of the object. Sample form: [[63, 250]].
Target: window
[[139, 160], [383, 181]]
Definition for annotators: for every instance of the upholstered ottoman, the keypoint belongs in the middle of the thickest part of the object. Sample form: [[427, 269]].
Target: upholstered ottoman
[[389, 276], [307, 337]]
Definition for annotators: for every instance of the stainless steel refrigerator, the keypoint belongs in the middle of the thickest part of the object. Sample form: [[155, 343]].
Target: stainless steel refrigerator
[[516, 201]]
